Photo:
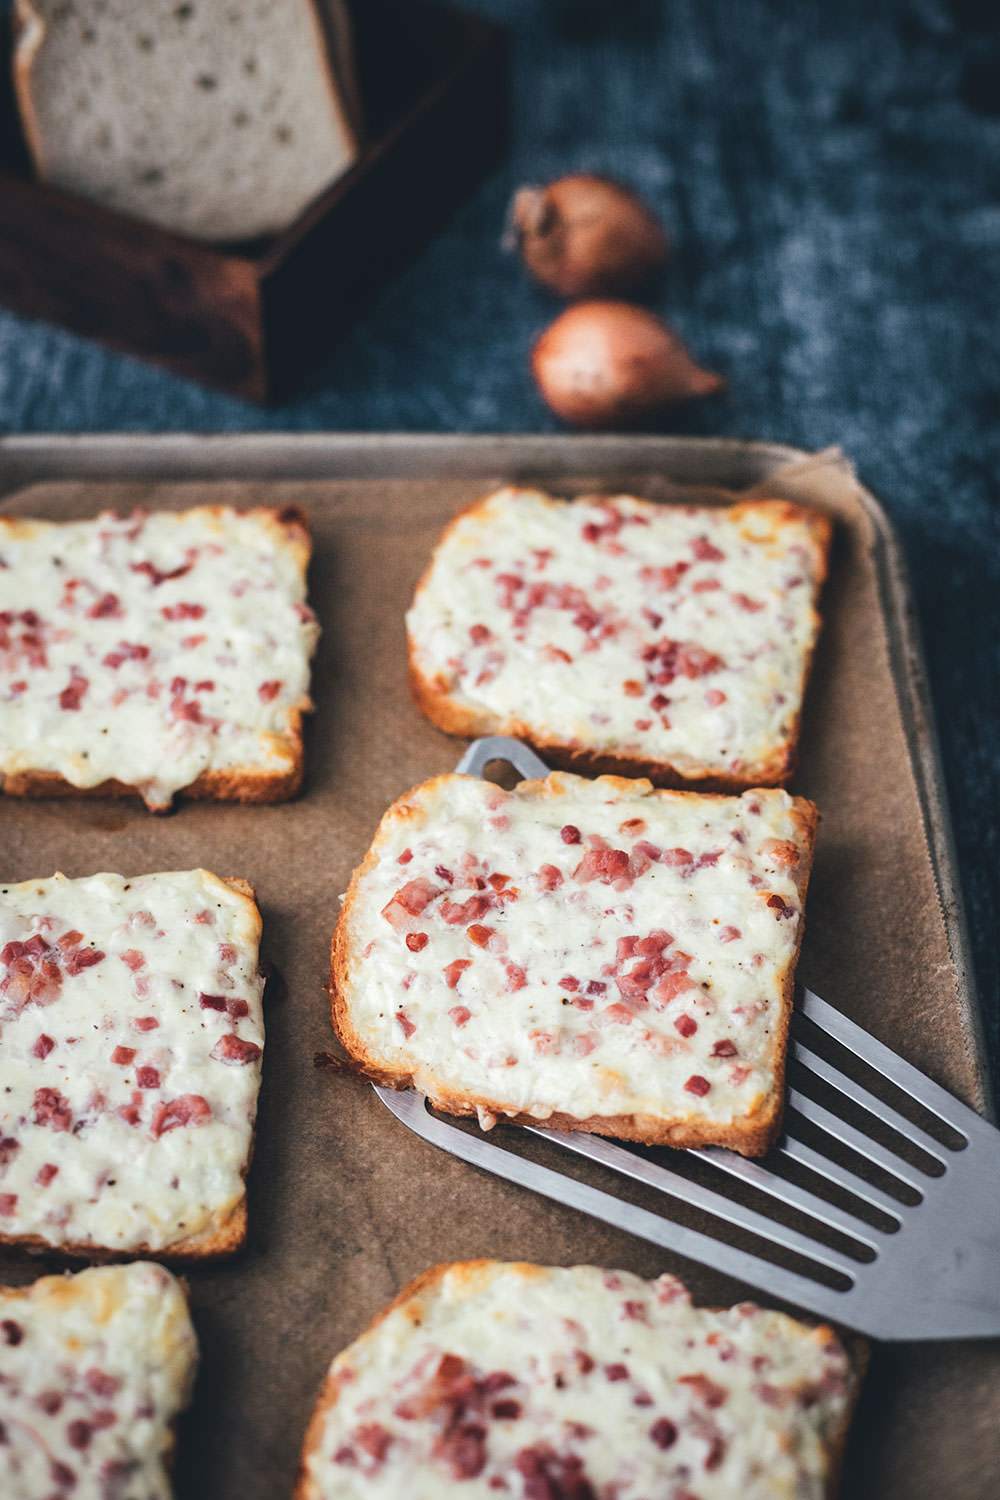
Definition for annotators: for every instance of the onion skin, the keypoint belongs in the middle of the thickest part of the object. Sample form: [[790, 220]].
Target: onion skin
[[609, 364], [586, 236]]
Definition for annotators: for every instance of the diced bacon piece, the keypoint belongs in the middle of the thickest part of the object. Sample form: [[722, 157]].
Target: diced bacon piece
[[752, 606], [156, 577], [409, 901], [714, 698], [604, 865], [570, 834], [549, 878], [678, 859], [123, 1056], [708, 860], [545, 1043], [133, 959], [480, 634], [268, 691], [454, 971], [781, 851], [584, 1044], [616, 1371], [652, 852], [50, 1107], [43, 1046], [596, 987], [149, 1078], [187, 1109], [631, 688], [405, 857], [625, 948], [132, 1113], [8, 1145], [697, 1085], [664, 578], [686, 1025], [724, 1048], [663, 1433], [460, 1014], [183, 611], [8, 1207], [82, 958], [107, 607], [499, 881], [464, 912], [72, 695], [706, 551], [480, 935], [729, 935], [145, 1023], [212, 1002], [616, 1015], [567, 982], [781, 908], [234, 1050], [706, 1390], [417, 941], [45, 1174], [236, 1008]]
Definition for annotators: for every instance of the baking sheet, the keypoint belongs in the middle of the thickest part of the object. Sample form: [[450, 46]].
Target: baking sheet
[[345, 1204]]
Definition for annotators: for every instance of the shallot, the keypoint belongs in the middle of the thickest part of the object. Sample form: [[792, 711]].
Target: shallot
[[586, 236], [609, 364]]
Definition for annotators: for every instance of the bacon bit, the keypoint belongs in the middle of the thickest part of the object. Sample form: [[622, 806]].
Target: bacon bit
[[455, 912], [730, 935], [505, 1411], [45, 1174], [8, 1145], [42, 1047], [584, 1044], [781, 851], [454, 971], [52, 1108], [678, 859], [616, 1372], [8, 1207], [780, 907], [706, 1390], [698, 1085], [605, 865], [545, 1043], [752, 606], [616, 1014], [123, 1056], [234, 1050], [706, 586], [443, 873], [686, 1025], [145, 1023], [551, 1476], [714, 698], [131, 1113], [631, 688], [148, 1078], [635, 1312], [499, 881], [516, 978], [416, 941], [182, 611], [125, 651], [156, 577], [78, 1434], [642, 1398], [706, 551], [134, 959], [480, 634], [596, 987], [71, 697], [187, 1109], [83, 958], [664, 578], [405, 857], [460, 1014], [478, 935], [643, 724], [237, 1008], [567, 982], [191, 642], [582, 1004], [663, 1433], [725, 1048], [549, 878], [409, 901], [268, 691], [709, 860], [107, 607]]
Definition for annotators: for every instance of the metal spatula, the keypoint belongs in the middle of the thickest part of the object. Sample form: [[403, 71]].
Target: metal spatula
[[860, 1213]]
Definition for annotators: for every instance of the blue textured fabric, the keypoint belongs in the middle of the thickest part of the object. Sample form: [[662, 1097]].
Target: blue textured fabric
[[831, 176]]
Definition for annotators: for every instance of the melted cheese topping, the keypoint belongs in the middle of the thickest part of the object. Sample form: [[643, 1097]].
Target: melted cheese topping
[[93, 1370], [150, 649], [674, 634], [594, 948], [130, 1046], [530, 1381]]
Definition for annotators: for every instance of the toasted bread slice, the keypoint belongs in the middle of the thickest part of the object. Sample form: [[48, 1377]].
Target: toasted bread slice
[[528, 1380], [668, 641], [130, 1054], [154, 654], [596, 955], [96, 1368]]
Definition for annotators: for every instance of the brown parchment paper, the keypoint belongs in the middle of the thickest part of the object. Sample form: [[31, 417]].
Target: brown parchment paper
[[345, 1204]]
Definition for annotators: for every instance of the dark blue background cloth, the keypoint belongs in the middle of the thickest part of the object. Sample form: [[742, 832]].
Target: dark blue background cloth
[[831, 177]]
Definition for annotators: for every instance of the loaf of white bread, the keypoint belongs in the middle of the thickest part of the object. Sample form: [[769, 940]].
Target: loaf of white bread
[[220, 119]]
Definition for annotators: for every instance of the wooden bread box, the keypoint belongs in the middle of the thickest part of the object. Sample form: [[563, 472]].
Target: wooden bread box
[[249, 319]]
